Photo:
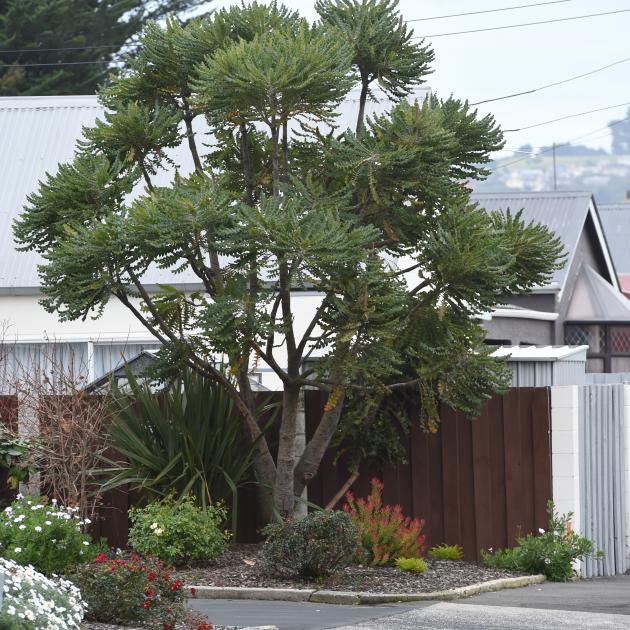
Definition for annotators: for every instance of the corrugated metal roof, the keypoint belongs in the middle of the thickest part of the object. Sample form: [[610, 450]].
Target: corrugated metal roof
[[39, 133], [562, 212], [542, 353], [615, 219]]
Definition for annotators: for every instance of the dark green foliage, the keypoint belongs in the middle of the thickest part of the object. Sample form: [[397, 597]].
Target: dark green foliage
[[131, 591], [14, 452], [184, 440], [283, 200], [102, 26], [316, 546], [551, 553]]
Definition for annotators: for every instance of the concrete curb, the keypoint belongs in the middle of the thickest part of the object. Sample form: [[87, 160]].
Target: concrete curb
[[352, 598]]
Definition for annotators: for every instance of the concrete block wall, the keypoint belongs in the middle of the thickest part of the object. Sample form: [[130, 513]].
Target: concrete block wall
[[565, 451]]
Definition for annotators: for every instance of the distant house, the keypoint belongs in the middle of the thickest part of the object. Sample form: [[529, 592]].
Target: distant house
[[582, 304], [616, 223]]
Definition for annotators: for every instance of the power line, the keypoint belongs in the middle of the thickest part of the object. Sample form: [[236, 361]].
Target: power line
[[564, 144], [554, 84], [60, 63], [36, 50], [520, 6], [548, 122], [500, 28]]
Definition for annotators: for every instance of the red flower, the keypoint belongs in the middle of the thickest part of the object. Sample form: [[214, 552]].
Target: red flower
[[101, 557], [151, 575], [145, 605], [149, 593], [193, 591]]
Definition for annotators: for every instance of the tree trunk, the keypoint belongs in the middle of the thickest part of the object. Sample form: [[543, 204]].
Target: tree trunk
[[315, 450], [247, 166], [362, 100], [264, 468], [284, 498], [274, 160], [285, 152]]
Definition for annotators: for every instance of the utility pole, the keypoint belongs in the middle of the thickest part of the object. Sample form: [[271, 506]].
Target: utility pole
[[555, 172]]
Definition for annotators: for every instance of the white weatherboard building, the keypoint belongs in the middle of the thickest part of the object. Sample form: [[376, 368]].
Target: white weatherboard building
[[39, 133]]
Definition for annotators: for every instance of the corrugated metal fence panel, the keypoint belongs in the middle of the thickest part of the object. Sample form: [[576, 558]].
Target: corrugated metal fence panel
[[602, 483], [531, 373], [596, 378]]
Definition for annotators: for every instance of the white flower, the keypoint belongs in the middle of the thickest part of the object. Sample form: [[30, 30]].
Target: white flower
[[85, 542], [38, 528], [22, 527], [154, 525], [48, 522], [18, 550], [159, 531], [541, 530]]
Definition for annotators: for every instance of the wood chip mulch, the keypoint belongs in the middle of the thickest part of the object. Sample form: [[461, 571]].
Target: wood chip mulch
[[238, 567]]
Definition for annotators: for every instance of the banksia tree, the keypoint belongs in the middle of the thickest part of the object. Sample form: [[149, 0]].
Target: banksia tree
[[375, 219]]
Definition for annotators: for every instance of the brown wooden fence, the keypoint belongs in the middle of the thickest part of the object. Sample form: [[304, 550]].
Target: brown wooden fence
[[478, 483]]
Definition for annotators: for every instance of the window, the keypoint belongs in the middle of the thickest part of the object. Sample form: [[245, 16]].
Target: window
[[608, 345]]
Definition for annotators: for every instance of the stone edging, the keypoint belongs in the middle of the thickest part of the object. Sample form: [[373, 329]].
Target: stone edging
[[349, 597]]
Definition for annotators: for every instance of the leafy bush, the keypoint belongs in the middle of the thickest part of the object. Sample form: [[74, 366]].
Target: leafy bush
[[134, 590], [178, 532], [446, 552], [415, 565], [14, 460], [551, 553], [316, 546], [385, 533], [48, 537], [186, 440], [32, 600]]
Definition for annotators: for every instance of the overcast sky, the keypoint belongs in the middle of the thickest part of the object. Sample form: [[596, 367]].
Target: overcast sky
[[486, 65]]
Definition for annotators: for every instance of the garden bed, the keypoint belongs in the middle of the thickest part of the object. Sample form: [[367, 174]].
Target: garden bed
[[239, 567]]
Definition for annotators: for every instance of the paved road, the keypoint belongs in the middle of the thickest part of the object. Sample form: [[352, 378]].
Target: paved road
[[292, 615], [448, 616], [602, 603]]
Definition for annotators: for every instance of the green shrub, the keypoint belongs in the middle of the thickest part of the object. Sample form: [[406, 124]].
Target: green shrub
[[415, 565], [178, 532], [316, 546], [385, 533], [48, 537], [131, 590], [551, 553], [446, 552], [31, 600]]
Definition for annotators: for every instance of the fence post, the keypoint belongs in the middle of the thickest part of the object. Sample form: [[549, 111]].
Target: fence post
[[626, 452], [565, 451]]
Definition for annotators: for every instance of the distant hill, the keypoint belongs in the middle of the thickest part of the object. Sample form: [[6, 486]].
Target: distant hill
[[607, 176]]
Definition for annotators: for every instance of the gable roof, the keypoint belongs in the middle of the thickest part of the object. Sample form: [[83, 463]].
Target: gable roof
[[595, 300], [615, 219], [565, 213], [40, 132]]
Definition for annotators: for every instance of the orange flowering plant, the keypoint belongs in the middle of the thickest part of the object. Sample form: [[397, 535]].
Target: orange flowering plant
[[386, 533]]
